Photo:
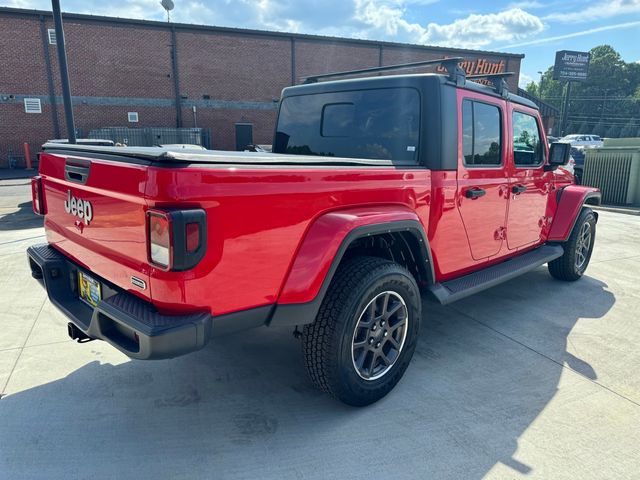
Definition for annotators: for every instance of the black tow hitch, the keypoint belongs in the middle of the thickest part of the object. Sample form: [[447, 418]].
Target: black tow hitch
[[76, 334]]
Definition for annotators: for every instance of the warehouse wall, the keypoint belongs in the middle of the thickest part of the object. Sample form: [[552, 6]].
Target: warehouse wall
[[117, 66]]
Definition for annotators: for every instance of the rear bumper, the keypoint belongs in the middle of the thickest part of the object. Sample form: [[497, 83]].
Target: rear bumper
[[128, 323]]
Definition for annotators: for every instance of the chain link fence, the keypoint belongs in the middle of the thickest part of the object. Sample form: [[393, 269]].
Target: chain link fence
[[152, 136]]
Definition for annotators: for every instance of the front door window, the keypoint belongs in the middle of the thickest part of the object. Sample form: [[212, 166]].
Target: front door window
[[529, 184]]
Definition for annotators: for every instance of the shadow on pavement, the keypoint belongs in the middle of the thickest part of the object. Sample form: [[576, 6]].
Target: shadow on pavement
[[22, 219], [243, 408]]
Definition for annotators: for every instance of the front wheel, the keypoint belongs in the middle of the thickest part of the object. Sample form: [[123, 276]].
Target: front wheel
[[577, 249], [366, 331]]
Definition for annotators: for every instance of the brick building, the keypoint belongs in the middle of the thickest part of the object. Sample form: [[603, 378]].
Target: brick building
[[229, 75]]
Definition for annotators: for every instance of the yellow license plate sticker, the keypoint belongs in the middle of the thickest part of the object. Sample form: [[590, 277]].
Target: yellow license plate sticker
[[89, 289]]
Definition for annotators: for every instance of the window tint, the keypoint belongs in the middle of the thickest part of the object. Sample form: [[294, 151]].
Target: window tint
[[337, 119], [375, 124], [481, 142], [467, 131], [527, 148]]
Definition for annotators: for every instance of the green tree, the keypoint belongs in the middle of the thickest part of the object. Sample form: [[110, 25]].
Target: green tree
[[613, 131], [600, 129], [532, 89], [629, 130], [584, 128]]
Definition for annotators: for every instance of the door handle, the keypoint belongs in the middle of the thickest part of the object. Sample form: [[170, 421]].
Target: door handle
[[77, 171], [518, 189], [474, 192]]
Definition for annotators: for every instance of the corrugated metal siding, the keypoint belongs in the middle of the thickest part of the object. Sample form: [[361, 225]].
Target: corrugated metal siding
[[614, 172]]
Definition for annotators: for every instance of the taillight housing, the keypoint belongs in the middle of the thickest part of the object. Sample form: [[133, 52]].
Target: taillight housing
[[159, 227], [37, 195], [177, 239]]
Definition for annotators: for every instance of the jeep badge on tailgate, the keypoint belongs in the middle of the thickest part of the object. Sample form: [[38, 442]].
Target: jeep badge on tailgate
[[78, 207]]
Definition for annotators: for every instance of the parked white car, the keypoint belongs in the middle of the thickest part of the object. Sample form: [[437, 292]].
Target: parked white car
[[578, 140]]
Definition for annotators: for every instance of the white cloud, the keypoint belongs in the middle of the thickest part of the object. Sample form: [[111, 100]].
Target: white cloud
[[596, 11], [477, 31], [473, 31]]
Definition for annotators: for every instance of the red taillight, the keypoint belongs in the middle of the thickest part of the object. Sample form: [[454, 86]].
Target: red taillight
[[177, 238], [192, 232], [159, 239], [37, 196]]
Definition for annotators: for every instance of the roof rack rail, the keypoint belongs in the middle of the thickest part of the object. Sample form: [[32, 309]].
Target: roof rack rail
[[455, 72], [497, 79]]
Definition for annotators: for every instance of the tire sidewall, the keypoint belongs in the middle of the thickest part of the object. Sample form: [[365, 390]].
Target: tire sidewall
[[586, 216], [403, 285]]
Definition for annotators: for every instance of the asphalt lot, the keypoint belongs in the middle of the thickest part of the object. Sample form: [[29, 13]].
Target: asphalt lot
[[534, 379]]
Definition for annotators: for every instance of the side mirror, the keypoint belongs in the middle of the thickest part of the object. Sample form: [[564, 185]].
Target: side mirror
[[558, 155]]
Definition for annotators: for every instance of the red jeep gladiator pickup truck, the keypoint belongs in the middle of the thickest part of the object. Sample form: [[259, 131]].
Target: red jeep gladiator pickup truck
[[378, 190]]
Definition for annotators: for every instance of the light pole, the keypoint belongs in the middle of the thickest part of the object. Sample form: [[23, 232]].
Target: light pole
[[64, 71], [540, 85]]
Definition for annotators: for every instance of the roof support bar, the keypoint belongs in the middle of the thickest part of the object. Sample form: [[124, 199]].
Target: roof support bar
[[498, 81], [451, 64]]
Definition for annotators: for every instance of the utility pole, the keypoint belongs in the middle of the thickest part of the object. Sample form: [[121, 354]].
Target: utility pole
[[64, 71], [565, 110], [604, 104], [540, 86]]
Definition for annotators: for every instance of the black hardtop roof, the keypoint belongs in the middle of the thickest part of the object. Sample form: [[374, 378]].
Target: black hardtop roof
[[389, 81]]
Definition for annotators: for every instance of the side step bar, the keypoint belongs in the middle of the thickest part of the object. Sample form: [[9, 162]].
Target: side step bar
[[452, 290]]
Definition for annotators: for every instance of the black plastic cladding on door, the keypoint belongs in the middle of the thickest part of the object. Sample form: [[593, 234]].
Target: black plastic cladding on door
[[182, 258]]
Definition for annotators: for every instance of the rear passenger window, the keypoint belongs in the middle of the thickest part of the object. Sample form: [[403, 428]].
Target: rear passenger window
[[481, 138], [527, 147], [370, 124]]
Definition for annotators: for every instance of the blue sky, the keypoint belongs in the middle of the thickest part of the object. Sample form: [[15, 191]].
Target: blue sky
[[536, 28]]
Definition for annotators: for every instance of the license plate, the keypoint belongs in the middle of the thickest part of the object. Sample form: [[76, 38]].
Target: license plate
[[89, 289]]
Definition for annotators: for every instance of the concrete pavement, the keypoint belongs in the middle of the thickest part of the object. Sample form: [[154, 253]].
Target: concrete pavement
[[532, 379]]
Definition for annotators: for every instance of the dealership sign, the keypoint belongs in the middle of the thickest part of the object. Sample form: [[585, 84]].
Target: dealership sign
[[478, 66], [572, 66]]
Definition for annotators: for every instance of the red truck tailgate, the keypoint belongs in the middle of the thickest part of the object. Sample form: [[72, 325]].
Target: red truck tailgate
[[96, 215]]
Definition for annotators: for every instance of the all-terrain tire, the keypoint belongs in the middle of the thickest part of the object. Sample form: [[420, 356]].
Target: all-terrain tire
[[573, 263], [328, 342]]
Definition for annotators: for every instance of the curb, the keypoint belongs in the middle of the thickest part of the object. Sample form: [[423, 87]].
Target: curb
[[8, 174]]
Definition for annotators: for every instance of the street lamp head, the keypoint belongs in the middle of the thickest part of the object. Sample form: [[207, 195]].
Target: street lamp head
[[167, 5]]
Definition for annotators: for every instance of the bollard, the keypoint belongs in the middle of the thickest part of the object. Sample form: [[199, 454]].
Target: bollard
[[27, 156]]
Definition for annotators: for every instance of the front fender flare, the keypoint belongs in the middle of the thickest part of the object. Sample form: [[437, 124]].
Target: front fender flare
[[572, 198], [322, 249]]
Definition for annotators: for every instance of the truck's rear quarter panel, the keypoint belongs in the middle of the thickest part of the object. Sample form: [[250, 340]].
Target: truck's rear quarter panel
[[256, 220]]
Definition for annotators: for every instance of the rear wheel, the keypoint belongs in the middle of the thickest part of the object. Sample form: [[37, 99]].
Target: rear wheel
[[577, 249], [366, 331]]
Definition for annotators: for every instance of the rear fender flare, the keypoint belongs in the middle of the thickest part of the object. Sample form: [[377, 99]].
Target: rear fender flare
[[324, 247], [572, 199]]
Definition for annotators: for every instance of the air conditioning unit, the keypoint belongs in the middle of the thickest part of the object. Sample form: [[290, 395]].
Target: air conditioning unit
[[616, 172]]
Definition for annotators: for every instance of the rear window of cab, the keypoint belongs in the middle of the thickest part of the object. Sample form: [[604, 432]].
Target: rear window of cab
[[372, 124]]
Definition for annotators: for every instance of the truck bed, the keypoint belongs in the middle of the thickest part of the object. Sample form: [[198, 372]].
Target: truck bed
[[259, 207]]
